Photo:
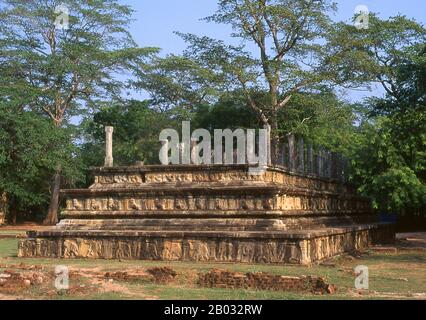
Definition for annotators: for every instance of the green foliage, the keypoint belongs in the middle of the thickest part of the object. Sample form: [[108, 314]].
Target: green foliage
[[230, 112], [375, 54], [178, 83], [322, 118], [136, 131], [389, 156], [287, 58], [63, 72], [383, 171], [59, 73], [29, 153]]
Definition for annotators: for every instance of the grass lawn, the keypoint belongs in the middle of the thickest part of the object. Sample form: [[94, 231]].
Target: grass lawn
[[399, 275]]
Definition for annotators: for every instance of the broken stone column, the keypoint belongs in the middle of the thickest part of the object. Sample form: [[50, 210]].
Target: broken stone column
[[194, 151], [328, 164], [164, 152], [291, 153], [334, 166], [320, 162], [109, 161], [181, 147], [301, 156], [267, 127], [310, 159], [251, 146], [281, 155]]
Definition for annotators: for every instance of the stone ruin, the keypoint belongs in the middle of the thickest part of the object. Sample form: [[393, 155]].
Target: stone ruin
[[214, 213]]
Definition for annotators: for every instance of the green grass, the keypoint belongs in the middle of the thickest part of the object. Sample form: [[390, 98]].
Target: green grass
[[391, 276], [8, 248]]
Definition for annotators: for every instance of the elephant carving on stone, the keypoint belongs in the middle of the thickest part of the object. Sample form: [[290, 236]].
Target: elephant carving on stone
[[113, 204], [134, 205]]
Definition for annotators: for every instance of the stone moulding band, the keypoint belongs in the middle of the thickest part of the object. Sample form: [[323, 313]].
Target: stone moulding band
[[197, 189], [170, 234], [202, 168], [166, 214]]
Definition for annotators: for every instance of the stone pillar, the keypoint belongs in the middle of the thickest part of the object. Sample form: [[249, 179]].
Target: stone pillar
[[164, 152], [345, 169], [329, 164], [281, 155], [267, 127], [109, 161], [341, 172], [291, 153], [301, 156], [251, 147], [181, 147], [334, 166], [310, 159], [320, 162], [194, 151]]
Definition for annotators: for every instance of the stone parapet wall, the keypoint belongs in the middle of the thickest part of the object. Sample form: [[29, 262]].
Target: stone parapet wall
[[125, 177]]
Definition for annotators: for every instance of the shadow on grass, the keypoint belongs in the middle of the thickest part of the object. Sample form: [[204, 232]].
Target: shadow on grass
[[400, 257]]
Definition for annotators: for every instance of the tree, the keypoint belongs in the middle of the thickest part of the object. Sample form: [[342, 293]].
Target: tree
[[387, 150], [375, 54], [29, 152], [64, 70], [292, 56], [228, 112], [321, 118], [136, 131], [389, 155]]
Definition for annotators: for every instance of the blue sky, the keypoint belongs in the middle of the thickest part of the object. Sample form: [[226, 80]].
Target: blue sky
[[155, 21]]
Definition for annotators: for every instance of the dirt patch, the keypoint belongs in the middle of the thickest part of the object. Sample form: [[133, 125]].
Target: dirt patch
[[220, 278], [110, 285], [31, 280], [12, 282]]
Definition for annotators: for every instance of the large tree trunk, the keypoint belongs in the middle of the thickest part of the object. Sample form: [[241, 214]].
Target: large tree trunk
[[52, 214], [4, 206], [12, 215]]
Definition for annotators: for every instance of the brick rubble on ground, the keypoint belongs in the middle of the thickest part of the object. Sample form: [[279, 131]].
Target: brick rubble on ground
[[219, 278]]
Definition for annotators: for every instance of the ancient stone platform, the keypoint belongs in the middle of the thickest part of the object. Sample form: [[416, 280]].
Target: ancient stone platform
[[209, 213]]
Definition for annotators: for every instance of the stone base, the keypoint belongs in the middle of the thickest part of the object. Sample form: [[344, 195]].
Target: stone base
[[296, 247]]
